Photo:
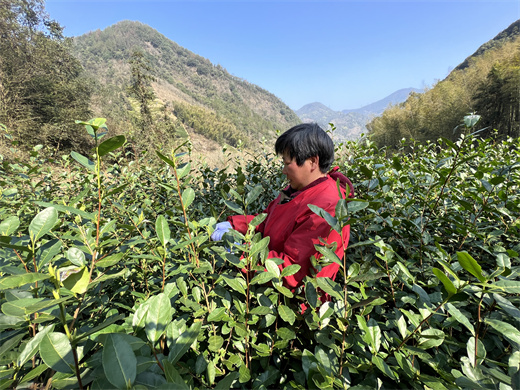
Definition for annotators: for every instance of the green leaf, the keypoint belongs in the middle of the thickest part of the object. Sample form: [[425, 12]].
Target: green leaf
[[162, 230], [332, 221], [507, 306], [166, 159], [481, 351], [244, 375], [460, 317], [254, 194], [188, 196], [76, 257], [237, 284], [181, 344], [233, 206], [78, 281], [15, 281], [431, 338], [158, 317], [262, 278], [83, 161], [9, 225], [173, 376], [311, 295], [67, 209], [287, 314], [227, 382], [109, 261], [507, 286], [119, 361], [383, 367], [290, 270], [508, 331], [215, 343], [111, 144], [470, 264], [32, 347], [448, 284], [375, 334], [43, 223], [357, 205], [56, 352], [217, 314]]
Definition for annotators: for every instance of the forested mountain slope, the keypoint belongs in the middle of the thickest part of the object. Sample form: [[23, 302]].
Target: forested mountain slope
[[487, 83], [183, 91]]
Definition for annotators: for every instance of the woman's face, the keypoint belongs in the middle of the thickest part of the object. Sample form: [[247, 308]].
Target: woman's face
[[298, 177]]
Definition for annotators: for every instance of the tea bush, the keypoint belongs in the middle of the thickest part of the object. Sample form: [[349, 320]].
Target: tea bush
[[109, 279]]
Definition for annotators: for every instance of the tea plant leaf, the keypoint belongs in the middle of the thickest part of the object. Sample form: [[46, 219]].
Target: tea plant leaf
[[158, 317], [76, 256], [119, 361], [227, 382], [430, 338], [508, 331], [461, 318], [182, 344], [32, 347], [356, 205], [481, 351], [109, 261], [332, 221], [56, 352], [173, 376], [215, 343], [507, 306], [11, 343], [15, 281], [290, 270], [233, 206], [244, 375], [188, 196], [287, 314], [384, 368], [162, 230], [83, 161], [311, 295], [111, 144], [448, 284], [507, 286], [67, 209], [262, 278], [375, 334], [43, 223], [77, 282], [216, 315], [47, 252], [9, 225], [253, 194], [236, 284], [470, 264]]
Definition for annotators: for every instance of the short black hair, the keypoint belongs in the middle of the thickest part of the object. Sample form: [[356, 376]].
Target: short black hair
[[304, 141]]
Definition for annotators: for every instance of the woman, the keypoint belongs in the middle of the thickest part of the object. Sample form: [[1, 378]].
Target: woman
[[307, 152]]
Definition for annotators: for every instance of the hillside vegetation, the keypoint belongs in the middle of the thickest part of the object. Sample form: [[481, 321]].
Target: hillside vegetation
[[488, 84], [151, 89], [189, 92]]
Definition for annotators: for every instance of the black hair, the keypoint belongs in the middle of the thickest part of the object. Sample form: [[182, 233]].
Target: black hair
[[304, 141]]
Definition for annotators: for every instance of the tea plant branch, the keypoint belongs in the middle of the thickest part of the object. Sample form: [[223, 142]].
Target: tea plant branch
[[405, 340], [20, 257]]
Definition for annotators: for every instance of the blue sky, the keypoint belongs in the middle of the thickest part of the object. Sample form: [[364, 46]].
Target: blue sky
[[344, 53]]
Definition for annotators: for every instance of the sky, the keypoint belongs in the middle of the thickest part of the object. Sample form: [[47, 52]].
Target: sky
[[343, 53]]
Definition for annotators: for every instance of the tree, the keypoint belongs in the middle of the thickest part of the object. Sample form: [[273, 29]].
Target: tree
[[42, 89]]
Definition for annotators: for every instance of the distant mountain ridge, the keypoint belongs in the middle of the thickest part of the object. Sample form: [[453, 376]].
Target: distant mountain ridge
[[351, 123]]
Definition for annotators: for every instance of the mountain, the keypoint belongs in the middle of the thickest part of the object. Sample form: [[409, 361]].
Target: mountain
[[378, 107], [187, 92], [350, 123]]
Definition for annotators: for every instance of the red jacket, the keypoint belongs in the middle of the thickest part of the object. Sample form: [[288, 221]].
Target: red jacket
[[294, 229]]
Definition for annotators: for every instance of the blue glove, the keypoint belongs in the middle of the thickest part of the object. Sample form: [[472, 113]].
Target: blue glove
[[220, 229]]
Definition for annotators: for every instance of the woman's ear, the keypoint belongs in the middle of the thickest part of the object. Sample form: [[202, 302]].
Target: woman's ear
[[315, 162]]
